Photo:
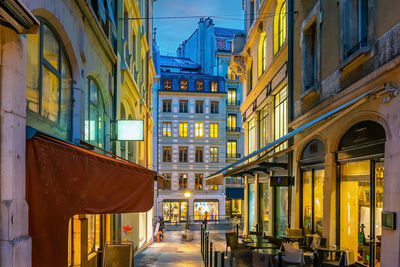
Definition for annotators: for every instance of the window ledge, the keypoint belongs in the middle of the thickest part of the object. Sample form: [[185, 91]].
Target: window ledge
[[310, 92], [351, 61]]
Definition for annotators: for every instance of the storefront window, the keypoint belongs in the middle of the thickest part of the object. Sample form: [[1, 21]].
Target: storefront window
[[264, 127], [175, 211], [94, 228], [207, 208], [251, 193], [265, 208], [94, 115], [281, 116], [318, 200], [355, 203], [281, 218], [251, 136], [307, 202], [233, 207]]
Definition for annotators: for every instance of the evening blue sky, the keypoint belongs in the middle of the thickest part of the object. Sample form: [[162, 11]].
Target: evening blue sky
[[172, 32]]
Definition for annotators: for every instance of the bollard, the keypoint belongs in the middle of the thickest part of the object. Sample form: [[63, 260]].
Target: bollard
[[215, 258], [237, 230], [211, 254], [222, 259], [206, 252], [201, 238]]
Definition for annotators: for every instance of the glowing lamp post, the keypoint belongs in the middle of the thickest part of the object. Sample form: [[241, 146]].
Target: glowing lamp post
[[187, 196]]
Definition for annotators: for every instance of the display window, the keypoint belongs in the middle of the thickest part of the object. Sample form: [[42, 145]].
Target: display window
[[206, 209], [251, 196], [174, 211], [265, 208], [233, 207]]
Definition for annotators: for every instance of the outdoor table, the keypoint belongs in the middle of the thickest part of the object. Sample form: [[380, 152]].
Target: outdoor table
[[265, 256], [292, 238], [261, 245]]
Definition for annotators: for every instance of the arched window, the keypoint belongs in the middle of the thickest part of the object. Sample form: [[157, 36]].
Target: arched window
[[48, 82], [280, 26], [262, 54], [95, 116]]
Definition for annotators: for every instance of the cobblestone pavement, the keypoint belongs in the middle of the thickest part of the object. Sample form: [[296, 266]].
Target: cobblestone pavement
[[172, 252]]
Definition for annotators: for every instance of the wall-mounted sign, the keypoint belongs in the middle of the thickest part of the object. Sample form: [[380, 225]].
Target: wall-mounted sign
[[130, 130], [389, 220]]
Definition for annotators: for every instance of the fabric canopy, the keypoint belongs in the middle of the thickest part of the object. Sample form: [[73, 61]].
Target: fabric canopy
[[64, 180]]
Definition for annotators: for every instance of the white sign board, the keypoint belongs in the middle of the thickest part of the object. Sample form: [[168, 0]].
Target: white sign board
[[130, 130]]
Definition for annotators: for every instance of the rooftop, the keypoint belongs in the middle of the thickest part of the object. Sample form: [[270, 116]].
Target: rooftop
[[226, 32], [178, 62]]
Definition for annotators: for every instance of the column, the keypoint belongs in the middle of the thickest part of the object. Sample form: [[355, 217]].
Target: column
[[246, 207]]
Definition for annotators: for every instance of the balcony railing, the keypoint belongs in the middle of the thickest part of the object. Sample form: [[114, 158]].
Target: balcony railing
[[233, 129], [233, 102], [233, 155]]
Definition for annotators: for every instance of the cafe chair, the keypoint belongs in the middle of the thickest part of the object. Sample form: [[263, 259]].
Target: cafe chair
[[256, 233], [293, 256], [334, 262], [233, 244], [276, 241]]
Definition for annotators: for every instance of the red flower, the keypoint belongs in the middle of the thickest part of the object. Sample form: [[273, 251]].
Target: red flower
[[126, 228]]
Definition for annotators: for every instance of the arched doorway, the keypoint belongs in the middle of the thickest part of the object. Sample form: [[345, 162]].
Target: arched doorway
[[312, 187], [360, 159]]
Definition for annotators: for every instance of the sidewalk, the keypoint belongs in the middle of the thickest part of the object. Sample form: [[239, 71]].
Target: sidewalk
[[172, 252]]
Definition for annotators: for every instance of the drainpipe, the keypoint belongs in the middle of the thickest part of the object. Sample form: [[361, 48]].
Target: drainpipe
[[290, 100]]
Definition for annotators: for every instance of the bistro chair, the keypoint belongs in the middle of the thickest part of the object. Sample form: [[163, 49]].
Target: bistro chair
[[293, 256], [233, 244], [334, 262], [276, 241]]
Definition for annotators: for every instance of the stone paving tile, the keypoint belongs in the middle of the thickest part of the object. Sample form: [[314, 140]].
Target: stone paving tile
[[172, 252]]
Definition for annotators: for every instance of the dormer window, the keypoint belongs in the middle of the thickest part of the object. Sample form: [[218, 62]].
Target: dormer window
[[199, 85], [184, 85], [214, 86], [167, 85]]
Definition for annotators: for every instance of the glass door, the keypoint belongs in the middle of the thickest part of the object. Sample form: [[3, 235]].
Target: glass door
[[361, 199], [281, 210]]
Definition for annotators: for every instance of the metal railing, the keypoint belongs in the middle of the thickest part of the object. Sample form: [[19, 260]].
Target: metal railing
[[211, 257], [233, 155], [233, 129], [233, 102]]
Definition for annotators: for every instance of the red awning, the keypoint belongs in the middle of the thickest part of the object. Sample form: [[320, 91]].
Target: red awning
[[63, 180]]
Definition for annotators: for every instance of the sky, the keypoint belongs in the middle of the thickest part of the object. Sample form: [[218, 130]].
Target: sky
[[172, 32]]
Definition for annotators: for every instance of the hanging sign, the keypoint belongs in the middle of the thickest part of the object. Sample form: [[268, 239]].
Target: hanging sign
[[130, 130]]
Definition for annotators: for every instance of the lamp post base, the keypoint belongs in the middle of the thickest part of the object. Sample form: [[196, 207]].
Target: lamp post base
[[187, 235]]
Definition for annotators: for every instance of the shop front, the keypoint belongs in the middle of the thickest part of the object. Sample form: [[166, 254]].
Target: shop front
[[360, 160], [233, 202], [206, 209], [175, 211]]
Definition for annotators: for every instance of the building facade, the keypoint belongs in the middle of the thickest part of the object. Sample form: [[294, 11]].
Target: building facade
[[326, 164], [191, 125], [211, 48], [78, 74]]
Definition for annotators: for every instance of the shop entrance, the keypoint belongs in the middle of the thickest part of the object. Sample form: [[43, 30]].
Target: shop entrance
[[360, 192], [174, 211]]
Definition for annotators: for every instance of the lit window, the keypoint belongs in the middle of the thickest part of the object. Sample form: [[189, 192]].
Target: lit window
[[95, 116], [231, 149], [183, 180], [280, 26], [214, 107], [214, 154], [167, 154], [251, 136], [183, 106], [183, 129], [167, 85], [232, 97], [167, 129], [48, 82], [167, 184], [214, 130], [232, 122], [199, 129], [281, 115], [198, 178], [183, 154], [214, 86], [198, 154], [184, 84], [94, 227], [262, 54], [199, 106], [199, 85], [264, 127]]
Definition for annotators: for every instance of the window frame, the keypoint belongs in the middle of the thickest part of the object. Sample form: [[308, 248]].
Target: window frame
[[167, 126], [199, 154], [214, 130], [184, 85], [214, 86], [167, 153], [229, 148], [198, 181], [214, 156], [199, 103], [199, 129], [185, 127], [167, 105], [183, 154], [167, 84], [183, 106], [199, 85], [42, 63], [214, 107], [183, 181]]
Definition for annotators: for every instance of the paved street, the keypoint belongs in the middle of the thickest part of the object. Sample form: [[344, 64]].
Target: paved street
[[174, 252]]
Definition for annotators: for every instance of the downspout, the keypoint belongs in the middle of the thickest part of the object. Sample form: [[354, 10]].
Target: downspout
[[290, 100]]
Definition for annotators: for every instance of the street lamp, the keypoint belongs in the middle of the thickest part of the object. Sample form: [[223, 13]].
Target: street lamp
[[187, 196]]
